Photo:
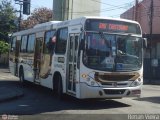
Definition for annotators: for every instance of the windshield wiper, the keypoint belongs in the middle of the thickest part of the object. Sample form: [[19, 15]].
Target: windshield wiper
[[121, 52]]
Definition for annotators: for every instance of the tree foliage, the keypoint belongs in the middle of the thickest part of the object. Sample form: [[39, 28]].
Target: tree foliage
[[7, 17], [39, 15], [4, 47]]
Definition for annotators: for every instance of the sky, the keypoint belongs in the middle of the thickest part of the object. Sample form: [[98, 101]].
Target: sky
[[109, 8]]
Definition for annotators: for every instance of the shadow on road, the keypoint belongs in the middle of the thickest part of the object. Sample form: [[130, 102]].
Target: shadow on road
[[38, 99], [155, 99]]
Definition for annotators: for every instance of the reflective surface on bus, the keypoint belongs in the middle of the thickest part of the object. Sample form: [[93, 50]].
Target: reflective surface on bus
[[112, 52]]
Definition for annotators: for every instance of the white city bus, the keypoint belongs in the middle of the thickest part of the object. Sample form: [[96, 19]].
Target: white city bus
[[88, 57]]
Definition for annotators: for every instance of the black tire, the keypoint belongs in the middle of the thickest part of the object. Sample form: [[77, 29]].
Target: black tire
[[59, 91], [21, 77]]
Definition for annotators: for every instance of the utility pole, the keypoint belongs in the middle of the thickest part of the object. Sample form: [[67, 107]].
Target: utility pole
[[20, 13], [20, 17], [151, 21], [136, 10]]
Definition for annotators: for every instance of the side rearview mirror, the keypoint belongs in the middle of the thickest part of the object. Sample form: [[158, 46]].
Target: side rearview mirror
[[144, 42]]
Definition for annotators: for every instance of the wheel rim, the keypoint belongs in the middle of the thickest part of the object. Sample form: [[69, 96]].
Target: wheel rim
[[21, 77]]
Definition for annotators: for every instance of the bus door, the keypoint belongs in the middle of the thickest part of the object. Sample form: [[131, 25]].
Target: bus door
[[14, 54], [37, 57], [47, 52], [72, 63], [17, 56]]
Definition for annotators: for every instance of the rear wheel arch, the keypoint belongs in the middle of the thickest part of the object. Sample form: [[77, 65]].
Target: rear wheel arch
[[21, 74], [58, 85], [55, 79]]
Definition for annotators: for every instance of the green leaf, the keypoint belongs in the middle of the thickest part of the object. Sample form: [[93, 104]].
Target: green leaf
[[4, 47]]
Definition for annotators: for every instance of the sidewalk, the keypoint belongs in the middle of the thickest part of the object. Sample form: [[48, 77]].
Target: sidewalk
[[9, 89]]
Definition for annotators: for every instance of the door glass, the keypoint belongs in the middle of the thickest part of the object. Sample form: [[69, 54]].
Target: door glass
[[73, 47], [76, 48], [70, 62]]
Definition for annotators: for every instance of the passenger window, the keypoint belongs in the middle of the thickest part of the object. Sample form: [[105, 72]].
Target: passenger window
[[61, 42], [31, 43], [48, 42], [23, 44]]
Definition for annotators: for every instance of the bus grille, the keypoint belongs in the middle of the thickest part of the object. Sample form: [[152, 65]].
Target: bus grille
[[115, 77], [111, 83], [114, 92]]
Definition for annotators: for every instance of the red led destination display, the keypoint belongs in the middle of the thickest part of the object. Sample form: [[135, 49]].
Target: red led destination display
[[118, 27], [112, 26]]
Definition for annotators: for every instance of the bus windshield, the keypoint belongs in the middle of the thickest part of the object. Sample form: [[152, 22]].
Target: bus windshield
[[110, 52]]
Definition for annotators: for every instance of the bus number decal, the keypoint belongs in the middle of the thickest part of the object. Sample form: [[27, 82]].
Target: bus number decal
[[61, 59], [58, 66]]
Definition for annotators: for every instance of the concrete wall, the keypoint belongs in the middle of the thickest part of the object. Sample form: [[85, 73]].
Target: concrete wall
[[84, 8], [69, 9], [57, 9], [143, 14]]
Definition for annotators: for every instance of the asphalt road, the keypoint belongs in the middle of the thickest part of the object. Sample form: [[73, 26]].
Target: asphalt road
[[40, 103]]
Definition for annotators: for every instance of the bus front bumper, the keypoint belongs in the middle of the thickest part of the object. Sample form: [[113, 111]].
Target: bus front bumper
[[101, 92]]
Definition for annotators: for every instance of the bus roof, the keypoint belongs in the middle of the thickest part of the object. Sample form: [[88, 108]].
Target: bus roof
[[82, 20], [46, 24], [58, 24]]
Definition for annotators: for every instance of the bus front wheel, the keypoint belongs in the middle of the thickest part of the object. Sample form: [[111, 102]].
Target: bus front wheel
[[59, 87]]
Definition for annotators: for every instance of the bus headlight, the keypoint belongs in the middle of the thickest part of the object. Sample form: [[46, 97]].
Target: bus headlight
[[89, 79], [135, 83]]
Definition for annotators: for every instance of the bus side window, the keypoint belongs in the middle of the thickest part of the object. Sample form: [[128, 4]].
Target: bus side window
[[31, 43], [24, 40], [49, 44], [61, 42]]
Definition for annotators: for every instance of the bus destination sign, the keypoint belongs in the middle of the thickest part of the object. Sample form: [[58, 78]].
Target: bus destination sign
[[112, 26]]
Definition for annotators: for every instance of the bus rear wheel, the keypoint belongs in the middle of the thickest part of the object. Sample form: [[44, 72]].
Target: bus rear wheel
[[21, 77]]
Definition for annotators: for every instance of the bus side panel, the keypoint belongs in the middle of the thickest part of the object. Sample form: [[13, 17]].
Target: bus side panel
[[27, 64], [59, 67], [28, 72], [48, 82]]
